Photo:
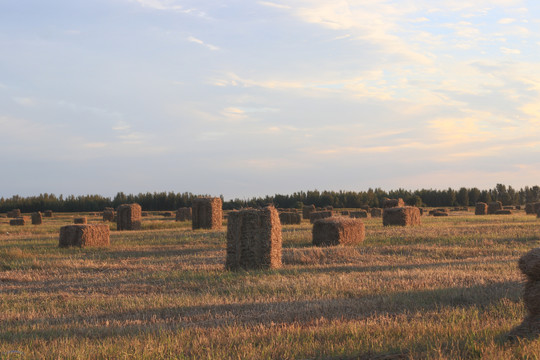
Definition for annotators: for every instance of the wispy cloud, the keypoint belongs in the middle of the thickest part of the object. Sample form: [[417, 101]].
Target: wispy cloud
[[274, 5], [169, 5], [200, 42]]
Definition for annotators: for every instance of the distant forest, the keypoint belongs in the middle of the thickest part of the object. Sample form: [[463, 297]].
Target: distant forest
[[338, 199]]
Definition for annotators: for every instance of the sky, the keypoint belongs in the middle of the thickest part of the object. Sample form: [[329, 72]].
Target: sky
[[247, 98]]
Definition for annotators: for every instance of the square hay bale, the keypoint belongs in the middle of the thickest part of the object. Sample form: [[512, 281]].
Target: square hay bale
[[15, 213], [183, 214], [37, 218], [207, 213], [80, 220], [358, 214], [529, 209], [48, 213], [390, 203], [128, 217], [518, 207], [166, 214], [440, 213], [338, 231], [84, 235], [536, 207], [254, 239], [494, 206], [481, 208], [290, 218], [364, 207], [17, 222], [376, 212], [307, 210], [316, 215], [401, 216], [508, 208], [108, 214], [503, 212]]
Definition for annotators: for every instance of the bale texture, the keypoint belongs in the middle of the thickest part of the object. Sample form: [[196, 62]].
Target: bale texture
[[401, 216], [440, 213], [15, 213], [37, 218], [494, 206], [307, 210], [390, 203], [84, 235], [166, 214], [128, 217], [48, 213], [290, 218], [358, 214], [338, 231], [17, 222], [183, 214], [503, 212], [207, 213], [481, 208], [253, 239], [80, 220], [108, 214], [376, 212], [317, 215]]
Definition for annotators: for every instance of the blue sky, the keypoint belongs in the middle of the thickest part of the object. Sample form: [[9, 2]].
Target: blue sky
[[247, 98]]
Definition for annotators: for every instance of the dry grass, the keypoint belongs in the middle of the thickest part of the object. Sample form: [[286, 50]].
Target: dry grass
[[449, 289]]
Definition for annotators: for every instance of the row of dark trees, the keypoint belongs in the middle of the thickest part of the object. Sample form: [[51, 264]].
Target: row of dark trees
[[338, 199]]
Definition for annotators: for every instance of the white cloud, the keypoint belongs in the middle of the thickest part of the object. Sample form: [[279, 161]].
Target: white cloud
[[506, 21], [509, 51], [200, 42], [25, 101], [273, 4]]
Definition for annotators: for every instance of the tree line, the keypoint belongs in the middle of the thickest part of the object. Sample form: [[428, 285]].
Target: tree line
[[159, 201]]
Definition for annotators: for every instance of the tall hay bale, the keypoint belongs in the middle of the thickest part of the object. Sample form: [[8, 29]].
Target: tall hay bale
[[183, 214], [317, 215], [358, 214], [108, 214], [390, 203], [401, 216], [84, 235], [80, 220], [207, 213], [15, 213], [48, 213], [529, 264], [290, 218], [481, 208], [37, 218], [529, 209], [338, 231], [254, 239], [494, 206], [376, 212], [17, 222], [128, 217], [307, 210]]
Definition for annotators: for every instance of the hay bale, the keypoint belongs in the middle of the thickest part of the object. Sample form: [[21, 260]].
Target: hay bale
[[37, 218], [207, 213], [508, 208], [329, 208], [84, 235], [401, 216], [80, 220], [390, 203], [440, 213], [15, 213], [290, 218], [128, 217], [529, 264], [108, 214], [48, 213], [3, 216], [145, 214], [338, 231], [317, 215], [183, 214], [358, 214], [307, 210], [17, 222], [254, 239], [376, 212], [481, 208], [503, 212], [345, 213], [365, 207], [165, 214], [494, 206], [518, 207]]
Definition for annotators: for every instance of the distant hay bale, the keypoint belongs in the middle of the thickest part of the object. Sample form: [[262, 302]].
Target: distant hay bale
[[421, 211], [508, 207], [529, 209], [456, 209], [317, 215], [494, 206], [207, 213], [307, 210], [390, 203], [503, 212], [440, 213], [3, 216], [376, 212], [84, 235], [345, 212], [290, 218], [401, 216], [128, 217], [108, 214], [48, 213], [145, 214], [334, 231], [15, 213], [365, 207], [183, 214], [464, 208], [481, 208], [37, 218], [254, 239], [329, 208], [358, 214], [80, 220], [17, 222], [536, 207], [166, 214], [518, 207]]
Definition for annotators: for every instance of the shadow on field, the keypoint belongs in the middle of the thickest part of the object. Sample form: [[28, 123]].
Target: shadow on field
[[407, 303]]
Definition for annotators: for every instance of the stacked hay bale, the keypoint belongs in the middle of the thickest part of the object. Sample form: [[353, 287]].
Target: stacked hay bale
[[37, 218], [529, 264], [15, 213], [317, 215], [307, 210], [338, 231], [84, 235], [401, 216], [290, 218], [254, 239], [207, 213], [481, 208], [80, 220], [358, 214], [183, 214], [494, 206], [128, 217], [390, 203], [108, 214], [17, 222], [48, 214], [376, 212]]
